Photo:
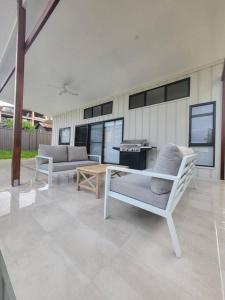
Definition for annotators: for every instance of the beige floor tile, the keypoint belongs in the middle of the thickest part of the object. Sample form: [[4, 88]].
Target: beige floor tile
[[57, 245], [85, 247]]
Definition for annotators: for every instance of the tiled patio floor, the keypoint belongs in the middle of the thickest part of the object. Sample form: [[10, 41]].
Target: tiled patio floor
[[57, 245]]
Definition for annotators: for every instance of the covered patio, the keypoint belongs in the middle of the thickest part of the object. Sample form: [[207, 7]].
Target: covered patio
[[122, 80], [56, 244]]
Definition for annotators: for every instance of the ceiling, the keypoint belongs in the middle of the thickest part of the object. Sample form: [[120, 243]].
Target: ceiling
[[105, 48]]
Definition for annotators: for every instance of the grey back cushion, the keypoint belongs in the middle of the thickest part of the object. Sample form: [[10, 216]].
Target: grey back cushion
[[168, 162], [77, 153], [58, 153]]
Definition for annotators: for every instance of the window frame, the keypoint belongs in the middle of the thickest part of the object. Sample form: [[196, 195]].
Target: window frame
[[144, 92], [88, 108], [110, 102], [158, 87], [93, 108], [165, 86], [103, 134], [213, 143], [101, 114], [188, 80], [59, 139]]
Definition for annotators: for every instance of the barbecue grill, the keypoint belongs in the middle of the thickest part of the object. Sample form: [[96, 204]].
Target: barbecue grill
[[133, 153]]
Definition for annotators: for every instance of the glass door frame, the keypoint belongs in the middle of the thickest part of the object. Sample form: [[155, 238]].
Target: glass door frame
[[103, 134]]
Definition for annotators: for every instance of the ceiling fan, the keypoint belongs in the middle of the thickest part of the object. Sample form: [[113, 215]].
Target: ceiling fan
[[64, 89]]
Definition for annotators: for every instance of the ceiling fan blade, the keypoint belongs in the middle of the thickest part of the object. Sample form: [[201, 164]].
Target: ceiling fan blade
[[71, 91], [74, 94], [54, 86]]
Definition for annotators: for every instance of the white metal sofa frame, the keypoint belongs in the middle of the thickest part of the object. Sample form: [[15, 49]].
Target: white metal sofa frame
[[180, 182], [50, 171]]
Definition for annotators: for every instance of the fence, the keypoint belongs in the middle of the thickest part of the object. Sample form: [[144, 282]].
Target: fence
[[30, 140]]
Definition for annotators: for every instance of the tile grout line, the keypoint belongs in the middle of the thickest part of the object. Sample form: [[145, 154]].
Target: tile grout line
[[219, 261]]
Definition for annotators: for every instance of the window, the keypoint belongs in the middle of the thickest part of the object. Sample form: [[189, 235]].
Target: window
[[107, 108], [137, 100], [64, 136], [202, 132], [155, 96], [113, 136], [98, 110], [88, 113], [168, 92], [178, 90], [81, 135]]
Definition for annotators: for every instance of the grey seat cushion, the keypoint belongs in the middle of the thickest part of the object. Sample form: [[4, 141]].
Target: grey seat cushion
[[137, 187], [168, 162], [77, 153], [65, 166], [58, 153]]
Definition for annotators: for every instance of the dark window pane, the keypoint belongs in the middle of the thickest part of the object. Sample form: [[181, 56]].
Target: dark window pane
[[81, 135], [155, 96], [107, 108], [202, 109], [96, 133], [202, 130], [88, 113], [178, 90], [64, 136], [137, 100], [97, 111], [96, 148]]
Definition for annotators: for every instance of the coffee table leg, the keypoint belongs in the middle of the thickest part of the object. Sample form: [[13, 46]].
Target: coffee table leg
[[78, 180], [97, 186]]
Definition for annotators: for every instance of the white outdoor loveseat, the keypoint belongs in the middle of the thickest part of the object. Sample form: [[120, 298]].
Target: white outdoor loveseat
[[59, 160], [157, 191]]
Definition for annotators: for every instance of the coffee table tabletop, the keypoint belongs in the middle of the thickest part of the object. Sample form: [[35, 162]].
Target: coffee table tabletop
[[88, 177], [97, 169]]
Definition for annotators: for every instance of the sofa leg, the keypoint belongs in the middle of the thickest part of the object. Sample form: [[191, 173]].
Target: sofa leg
[[49, 180], [36, 176], [173, 235], [106, 207]]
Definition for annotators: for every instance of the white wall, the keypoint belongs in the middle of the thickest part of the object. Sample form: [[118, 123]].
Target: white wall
[[160, 123]]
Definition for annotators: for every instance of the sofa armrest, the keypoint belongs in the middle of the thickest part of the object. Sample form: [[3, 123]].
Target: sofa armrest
[[143, 173], [43, 157], [38, 159], [97, 156]]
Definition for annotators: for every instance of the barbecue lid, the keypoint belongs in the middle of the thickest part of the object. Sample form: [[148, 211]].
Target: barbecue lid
[[142, 142]]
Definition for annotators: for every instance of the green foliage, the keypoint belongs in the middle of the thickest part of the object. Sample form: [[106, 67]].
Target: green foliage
[[7, 154], [26, 125], [8, 123]]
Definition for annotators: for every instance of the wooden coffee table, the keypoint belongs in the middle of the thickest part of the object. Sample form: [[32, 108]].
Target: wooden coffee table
[[89, 177]]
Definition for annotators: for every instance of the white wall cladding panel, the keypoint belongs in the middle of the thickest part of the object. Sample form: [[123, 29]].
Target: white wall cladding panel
[[139, 123], [161, 126], [160, 123], [205, 82], [171, 115]]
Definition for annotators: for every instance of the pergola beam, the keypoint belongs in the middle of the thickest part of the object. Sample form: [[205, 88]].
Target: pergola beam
[[33, 35], [18, 98], [23, 46], [222, 168]]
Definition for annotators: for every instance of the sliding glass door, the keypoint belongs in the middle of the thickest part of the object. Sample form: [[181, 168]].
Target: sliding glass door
[[96, 139], [100, 138], [113, 135]]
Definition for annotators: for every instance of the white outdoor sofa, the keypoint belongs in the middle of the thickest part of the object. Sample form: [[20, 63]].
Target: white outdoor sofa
[[157, 191], [59, 160]]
